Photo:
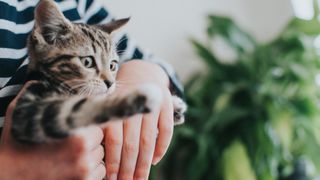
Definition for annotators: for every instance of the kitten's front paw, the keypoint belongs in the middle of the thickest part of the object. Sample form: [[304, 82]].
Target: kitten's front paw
[[145, 99]]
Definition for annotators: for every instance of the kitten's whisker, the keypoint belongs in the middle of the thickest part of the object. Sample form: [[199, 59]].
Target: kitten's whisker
[[121, 82], [82, 90], [85, 91], [78, 85], [74, 84], [90, 88], [74, 81]]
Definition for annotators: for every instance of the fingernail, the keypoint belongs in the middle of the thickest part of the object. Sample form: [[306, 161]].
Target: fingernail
[[155, 161], [113, 177]]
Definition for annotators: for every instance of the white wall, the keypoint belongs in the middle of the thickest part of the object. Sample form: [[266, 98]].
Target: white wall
[[164, 26]]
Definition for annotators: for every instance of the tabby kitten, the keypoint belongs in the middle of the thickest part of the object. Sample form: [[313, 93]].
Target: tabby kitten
[[71, 62]]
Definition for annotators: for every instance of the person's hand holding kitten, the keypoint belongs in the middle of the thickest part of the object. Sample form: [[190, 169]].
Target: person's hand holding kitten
[[133, 145], [77, 68], [76, 157]]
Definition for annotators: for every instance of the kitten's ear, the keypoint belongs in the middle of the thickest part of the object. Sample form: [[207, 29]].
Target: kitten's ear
[[50, 22], [114, 25]]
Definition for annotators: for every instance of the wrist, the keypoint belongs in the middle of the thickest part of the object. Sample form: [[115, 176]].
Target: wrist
[[144, 72]]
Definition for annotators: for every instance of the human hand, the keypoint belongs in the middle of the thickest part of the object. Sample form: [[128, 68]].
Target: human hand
[[77, 157], [134, 144]]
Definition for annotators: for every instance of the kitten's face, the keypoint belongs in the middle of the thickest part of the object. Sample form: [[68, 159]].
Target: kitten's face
[[80, 58]]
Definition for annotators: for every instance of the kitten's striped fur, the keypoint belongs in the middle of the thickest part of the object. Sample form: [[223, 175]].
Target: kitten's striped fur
[[72, 62]]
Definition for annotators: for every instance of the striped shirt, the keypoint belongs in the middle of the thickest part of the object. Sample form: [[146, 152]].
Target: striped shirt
[[16, 22]]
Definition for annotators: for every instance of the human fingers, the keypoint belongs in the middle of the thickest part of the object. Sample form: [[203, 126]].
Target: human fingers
[[95, 157], [99, 173], [148, 138], [92, 136], [87, 160], [5, 136], [165, 126], [113, 146], [130, 148], [95, 162]]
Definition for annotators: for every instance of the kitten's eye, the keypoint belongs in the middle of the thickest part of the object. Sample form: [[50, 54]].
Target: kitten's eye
[[114, 65], [88, 62]]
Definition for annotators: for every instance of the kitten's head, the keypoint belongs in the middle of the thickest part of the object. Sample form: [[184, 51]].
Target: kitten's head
[[77, 57]]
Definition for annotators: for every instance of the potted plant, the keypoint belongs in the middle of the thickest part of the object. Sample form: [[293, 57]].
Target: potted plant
[[256, 117]]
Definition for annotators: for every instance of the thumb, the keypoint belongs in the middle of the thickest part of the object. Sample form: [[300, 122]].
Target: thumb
[[5, 136]]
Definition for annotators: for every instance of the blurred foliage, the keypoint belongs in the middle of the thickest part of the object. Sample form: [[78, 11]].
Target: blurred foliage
[[255, 118]]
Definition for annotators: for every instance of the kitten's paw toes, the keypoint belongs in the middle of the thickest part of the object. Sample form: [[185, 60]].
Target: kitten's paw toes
[[147, 98], [178, 118], [180, 107]]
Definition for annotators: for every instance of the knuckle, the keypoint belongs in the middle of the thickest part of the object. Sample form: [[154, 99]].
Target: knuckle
[[101, 172], [147, 143], [130, 147], [98, 173], [99, 132], [113, 140], [99, 153], [101, 150]]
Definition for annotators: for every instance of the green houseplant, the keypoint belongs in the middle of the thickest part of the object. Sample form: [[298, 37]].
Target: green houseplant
[[255, 118]]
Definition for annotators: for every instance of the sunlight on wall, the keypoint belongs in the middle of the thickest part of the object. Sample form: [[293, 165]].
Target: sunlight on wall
[[165, 26], [303, 9]]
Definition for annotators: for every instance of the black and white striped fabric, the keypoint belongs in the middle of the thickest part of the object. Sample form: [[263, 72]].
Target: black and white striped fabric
[[16, 22]]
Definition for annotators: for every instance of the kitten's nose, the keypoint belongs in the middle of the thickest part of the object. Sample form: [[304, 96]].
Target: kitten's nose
[[108, 83]]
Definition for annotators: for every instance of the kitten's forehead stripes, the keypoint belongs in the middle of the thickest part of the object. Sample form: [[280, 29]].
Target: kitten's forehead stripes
[[98, 41], [88, 31], [96, 36], [94, 47], [54, 60]]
